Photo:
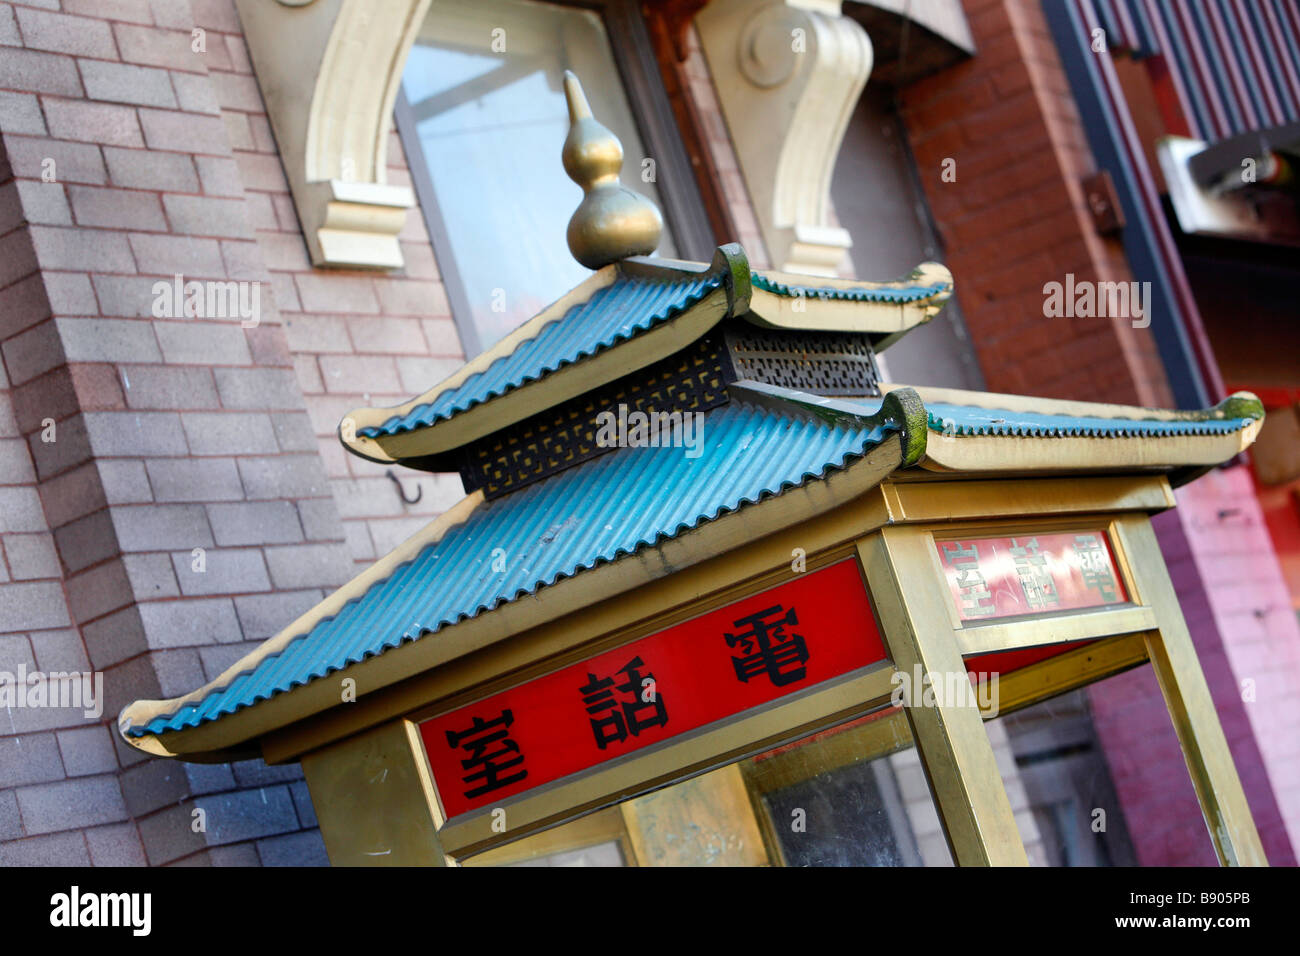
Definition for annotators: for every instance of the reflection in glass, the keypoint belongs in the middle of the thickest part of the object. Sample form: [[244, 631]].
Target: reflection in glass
[[484, 84], [600, 854], [855, 795], [1057, 779], [597, 839]]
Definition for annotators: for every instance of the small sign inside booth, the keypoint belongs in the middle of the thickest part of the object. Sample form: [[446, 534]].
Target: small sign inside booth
[[1031, 574], [753, 652]]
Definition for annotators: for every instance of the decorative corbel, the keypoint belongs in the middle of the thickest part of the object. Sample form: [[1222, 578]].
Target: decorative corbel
[[330, 72], [788, 75]]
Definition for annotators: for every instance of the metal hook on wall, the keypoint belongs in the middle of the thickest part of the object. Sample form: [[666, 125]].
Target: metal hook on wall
[[401, 491]]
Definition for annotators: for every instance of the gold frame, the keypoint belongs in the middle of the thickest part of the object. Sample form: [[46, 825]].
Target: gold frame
[[892, 537], [593, 829], [673, 761]]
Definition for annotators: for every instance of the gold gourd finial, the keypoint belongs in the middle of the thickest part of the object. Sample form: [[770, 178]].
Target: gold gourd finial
[[612, 222]]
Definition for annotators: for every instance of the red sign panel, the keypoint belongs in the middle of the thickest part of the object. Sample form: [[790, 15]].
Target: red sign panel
[[753, 652], [1030, 574]]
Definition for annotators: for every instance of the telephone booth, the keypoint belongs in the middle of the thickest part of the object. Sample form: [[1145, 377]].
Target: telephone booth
[[711, 572]]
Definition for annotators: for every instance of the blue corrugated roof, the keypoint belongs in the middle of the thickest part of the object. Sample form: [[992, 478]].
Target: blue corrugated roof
[[969, 420], [897, 294], [554, 529], [613, 314], [618, 311]]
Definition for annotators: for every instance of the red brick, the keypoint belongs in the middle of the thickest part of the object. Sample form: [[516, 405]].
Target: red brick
[[23, 304], [97, 386], [49, 396], [268, 345]]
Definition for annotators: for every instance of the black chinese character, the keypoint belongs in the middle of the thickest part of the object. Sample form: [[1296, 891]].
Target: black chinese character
[[475, 741], [767, 649], [612, 720]]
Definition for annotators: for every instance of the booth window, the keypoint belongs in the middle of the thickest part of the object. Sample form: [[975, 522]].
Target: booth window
[[482, 117]]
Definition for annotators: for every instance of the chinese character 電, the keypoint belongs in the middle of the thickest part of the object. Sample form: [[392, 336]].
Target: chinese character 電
[[766, 648]]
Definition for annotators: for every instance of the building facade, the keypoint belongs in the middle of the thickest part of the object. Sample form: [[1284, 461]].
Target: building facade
[[226, 225]]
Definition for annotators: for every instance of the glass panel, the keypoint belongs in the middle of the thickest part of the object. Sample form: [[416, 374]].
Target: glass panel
[[484, 85], [602, 854], [852, 796], [1096, 777], [992, 578], [597, 839]]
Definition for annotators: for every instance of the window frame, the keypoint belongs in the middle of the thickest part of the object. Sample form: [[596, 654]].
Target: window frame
[[683, 206]]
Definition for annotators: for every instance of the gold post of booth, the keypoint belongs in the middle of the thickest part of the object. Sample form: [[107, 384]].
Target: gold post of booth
[[374, 799], [950, 737], [1178, 671]]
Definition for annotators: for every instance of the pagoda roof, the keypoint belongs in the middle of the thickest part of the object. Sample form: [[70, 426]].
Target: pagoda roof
[[625, 316], [768, 444], [557, 529], [615, 312]]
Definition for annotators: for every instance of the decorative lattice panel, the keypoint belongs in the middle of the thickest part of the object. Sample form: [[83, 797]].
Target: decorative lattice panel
[[692, 380], [824, 363]]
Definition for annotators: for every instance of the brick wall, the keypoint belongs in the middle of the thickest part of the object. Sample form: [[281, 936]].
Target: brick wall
[[176, 434], [1213, 521], [1015, 219], [172, 433], [717, 139], [356, 338], [50, 755], [1257, 661]]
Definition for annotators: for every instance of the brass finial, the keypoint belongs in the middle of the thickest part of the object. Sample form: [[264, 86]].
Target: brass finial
[[612, 221]]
